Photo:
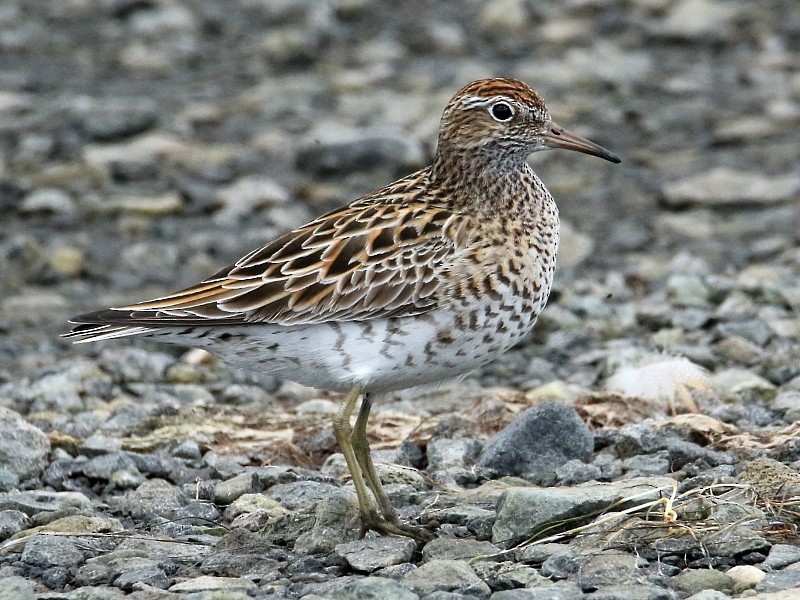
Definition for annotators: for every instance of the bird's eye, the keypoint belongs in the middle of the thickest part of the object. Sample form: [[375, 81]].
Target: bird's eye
[[501, 111]]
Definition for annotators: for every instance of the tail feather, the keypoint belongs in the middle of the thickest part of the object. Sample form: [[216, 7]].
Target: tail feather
[[95, 332], [117, 323]]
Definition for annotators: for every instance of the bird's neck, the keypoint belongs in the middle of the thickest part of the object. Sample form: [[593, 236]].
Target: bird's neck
[[491, 188]]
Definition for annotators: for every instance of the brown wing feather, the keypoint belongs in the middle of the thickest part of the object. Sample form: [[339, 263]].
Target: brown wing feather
[[365, 261]]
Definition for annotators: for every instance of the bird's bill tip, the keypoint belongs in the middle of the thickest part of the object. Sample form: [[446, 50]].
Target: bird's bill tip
[[558, 137]]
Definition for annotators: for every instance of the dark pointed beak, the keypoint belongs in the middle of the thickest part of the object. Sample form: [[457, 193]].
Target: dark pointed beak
[[558, 137]]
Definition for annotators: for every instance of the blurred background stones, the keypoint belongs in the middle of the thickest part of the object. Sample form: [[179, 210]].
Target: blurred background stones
[[145, 144]]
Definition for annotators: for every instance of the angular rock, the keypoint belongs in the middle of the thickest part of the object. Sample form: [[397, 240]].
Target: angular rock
[[446, 575], [610, 568], [545, 591], [153, 497], [456, 549], [521, 511], [209, 583], [23, 447], [16, 588], [11, 521], [372, 554], [782, 555], [48, 551], [537, 442]]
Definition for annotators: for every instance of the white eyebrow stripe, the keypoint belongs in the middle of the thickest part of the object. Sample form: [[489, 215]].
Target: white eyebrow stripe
[[481, 101]]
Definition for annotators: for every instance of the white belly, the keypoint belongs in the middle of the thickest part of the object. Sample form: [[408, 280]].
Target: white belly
[[381, 355]]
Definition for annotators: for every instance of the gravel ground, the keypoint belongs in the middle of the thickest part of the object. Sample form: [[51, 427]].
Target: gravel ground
[[145, 143]]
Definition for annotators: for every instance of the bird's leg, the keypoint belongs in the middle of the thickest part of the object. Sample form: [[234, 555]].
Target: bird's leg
[[391, 523], [343, 433]]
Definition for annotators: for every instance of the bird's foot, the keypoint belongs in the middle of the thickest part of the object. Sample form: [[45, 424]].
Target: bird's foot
[[384, 526]]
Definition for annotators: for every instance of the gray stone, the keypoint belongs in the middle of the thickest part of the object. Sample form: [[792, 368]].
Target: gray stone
[[632, 592], [372, 554], [47, 551], [48, 200], [107, 466], [8, 480], [11, 521], [456, 549], [446, 575], [334, 150], [228, 491], [521, 511], [507, 575], [709, 595], [648, 464], [301, 494], [23, 447], [371, 588], [16, 588], [564, 565], [336, 521], [782, 555], [610, 568], [537, 442], [726, 186], [695, 580], [154, 497], [209, 583], [153, 577], [445, 453], [546, 591], [34, 502], [776, 581], [576, 471]]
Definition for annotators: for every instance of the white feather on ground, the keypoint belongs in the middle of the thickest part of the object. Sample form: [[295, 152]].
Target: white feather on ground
[[675, 382]]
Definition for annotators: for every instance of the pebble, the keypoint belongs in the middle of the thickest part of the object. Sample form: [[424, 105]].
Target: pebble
[[538, 442]]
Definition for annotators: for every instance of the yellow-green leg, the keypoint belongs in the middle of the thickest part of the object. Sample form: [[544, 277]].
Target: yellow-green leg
[[343, 433], [355, 448], [391, 523]]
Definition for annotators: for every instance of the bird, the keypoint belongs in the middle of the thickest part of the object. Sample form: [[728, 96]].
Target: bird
[[418, 282]]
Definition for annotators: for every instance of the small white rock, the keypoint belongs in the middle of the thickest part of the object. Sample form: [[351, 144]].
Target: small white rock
[[745, 575]]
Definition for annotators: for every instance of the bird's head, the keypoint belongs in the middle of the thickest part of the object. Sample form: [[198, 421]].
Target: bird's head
[[503, 121]]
